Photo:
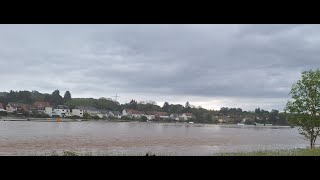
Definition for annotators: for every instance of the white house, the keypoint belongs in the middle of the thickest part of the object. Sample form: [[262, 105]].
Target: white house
[[12, 107], [132, 113], [104, 114], [89, 110], [175, 117], [62, 111], [150, 116], [48, 110], [41, 106], [115, 114], [186, 116], [77, 112]]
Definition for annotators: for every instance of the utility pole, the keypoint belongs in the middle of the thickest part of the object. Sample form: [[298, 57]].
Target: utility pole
[[116, 96]]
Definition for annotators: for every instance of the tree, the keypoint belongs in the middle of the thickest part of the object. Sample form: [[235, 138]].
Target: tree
[[143, 118], [86, 115], [67, 96], [56, 99], [165, 107], [187, 107], [303, 111], [257, 111], [133, 104]]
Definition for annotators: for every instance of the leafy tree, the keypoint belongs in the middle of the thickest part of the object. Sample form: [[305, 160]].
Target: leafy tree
[[257, 111], [144, 118], [86, 115], [56, 99], [175, 108], [165, 107], [67, 96], [132, 105], [187, 107], [303, 110]]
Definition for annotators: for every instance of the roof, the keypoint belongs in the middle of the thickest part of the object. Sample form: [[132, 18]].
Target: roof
[[25, 107], [1, 106], [14, 104], [188, 114], [116, 112], [42, 104], [157, 113], [131, 111], [104, 111], [62, 107]]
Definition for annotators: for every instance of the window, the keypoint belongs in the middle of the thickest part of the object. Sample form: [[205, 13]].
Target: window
[[80, 113]]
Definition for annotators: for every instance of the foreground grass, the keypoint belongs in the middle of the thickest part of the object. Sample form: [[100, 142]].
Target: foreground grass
[[294, 152]]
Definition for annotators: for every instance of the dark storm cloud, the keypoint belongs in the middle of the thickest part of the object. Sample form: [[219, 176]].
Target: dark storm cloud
[[257, 62]]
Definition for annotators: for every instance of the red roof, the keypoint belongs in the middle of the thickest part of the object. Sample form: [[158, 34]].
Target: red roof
[[25, 107], [1, 106], [131, 111], [14, 105], [188, 114], [42, 104], [158, 113]]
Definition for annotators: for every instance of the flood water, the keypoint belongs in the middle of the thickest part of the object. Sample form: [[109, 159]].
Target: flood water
[[131, 138]]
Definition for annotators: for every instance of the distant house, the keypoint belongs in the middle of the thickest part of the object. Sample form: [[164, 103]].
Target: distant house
[[41, 106], [150, 115], [116, 114], [48, 111], [163, 115], [89, 110], [2, 107], [186, 116], [104, 113], [77, 112], [62, 111], [175, 117], [113, 114], [25, 107], [12, 107], [159, 115], [132, 113]]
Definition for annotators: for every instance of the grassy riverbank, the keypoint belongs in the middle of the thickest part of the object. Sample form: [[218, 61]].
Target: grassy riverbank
[[293, 152]]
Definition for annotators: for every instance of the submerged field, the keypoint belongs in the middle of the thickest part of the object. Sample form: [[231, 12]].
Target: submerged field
[[292, 152], [134, 138]]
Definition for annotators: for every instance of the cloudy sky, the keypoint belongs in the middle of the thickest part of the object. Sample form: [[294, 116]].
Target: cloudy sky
[[212, 66]]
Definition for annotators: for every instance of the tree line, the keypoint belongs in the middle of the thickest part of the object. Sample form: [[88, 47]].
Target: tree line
[[201, 115]]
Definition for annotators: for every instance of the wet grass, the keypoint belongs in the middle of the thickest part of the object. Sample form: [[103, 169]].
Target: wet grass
[[293, 152]]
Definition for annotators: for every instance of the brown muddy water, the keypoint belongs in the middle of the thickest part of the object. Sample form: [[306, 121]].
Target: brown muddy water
[[132, 138]]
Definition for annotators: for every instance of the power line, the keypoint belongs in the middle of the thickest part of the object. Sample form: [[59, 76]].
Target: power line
[[116, 96]]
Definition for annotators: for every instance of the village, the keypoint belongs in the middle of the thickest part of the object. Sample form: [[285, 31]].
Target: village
[[45, 110]]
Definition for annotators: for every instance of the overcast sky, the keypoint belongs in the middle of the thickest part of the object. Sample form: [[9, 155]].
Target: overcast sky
[[212, 66]]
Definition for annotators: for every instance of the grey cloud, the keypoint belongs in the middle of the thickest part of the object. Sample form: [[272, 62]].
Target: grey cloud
[[159, 61]]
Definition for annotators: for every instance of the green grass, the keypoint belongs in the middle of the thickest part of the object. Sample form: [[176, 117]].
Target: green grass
[[294, 152]]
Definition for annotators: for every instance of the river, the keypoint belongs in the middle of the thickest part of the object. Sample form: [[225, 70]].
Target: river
[[134, 138]]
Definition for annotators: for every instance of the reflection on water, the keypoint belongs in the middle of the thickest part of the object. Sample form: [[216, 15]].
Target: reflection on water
[[133, 137]]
